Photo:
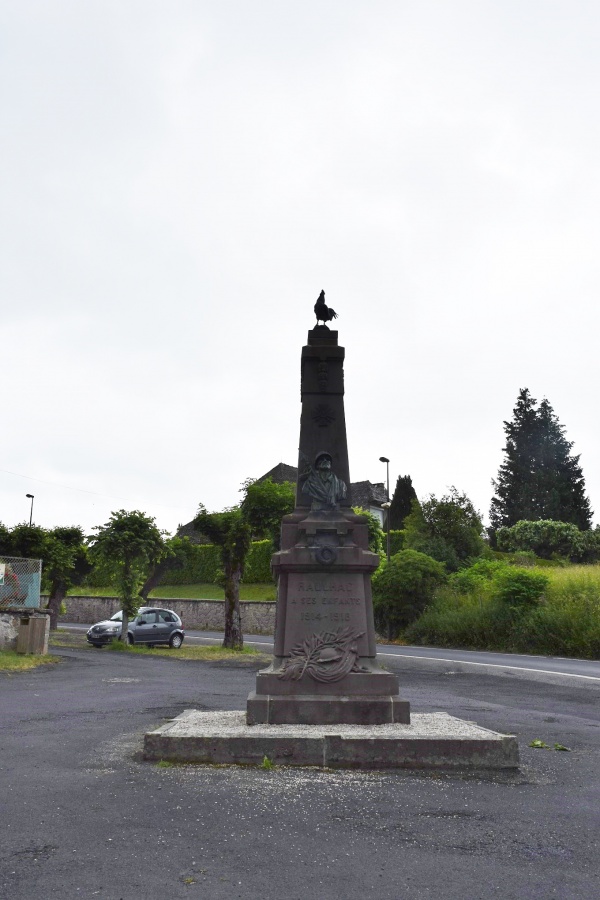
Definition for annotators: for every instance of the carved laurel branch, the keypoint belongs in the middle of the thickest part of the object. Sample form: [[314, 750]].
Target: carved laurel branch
[[326, 657]]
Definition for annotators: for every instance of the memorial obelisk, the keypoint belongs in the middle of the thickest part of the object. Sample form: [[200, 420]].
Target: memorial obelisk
[[324, 668]]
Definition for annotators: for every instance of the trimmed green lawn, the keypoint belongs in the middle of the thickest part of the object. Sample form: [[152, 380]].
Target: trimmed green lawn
[[189, 651], [10, 661], [256, 592]]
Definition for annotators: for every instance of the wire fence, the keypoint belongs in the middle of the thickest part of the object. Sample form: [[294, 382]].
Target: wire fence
[[20, 582]]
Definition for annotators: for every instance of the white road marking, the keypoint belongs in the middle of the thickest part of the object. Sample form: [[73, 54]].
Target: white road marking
[[468, 662], [462, 662]]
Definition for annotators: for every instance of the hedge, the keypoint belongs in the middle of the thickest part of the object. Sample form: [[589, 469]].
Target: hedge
[[396, 540], [204, 562]]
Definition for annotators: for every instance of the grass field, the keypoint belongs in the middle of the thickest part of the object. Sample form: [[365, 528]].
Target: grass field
[[212, 653], [10, 661], [256, 592]]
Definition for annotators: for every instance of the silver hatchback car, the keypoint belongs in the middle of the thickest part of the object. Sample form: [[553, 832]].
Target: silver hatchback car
[[152, 625]]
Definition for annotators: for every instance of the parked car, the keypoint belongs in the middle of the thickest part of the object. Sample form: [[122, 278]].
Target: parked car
[[152, 625]]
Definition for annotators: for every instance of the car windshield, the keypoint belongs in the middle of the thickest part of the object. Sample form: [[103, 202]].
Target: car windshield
[[118, 616]]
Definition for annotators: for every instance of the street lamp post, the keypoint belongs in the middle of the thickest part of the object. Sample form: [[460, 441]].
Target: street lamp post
[[31, 510], [387, 505]]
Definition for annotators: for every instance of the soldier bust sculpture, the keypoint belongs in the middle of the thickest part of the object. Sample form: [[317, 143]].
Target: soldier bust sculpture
[[321, 484]]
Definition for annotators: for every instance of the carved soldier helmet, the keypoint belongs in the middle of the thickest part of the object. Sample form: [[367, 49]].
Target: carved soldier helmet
[[320, 455]]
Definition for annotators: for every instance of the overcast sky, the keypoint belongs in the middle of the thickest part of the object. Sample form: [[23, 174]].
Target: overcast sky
[[180, 179]]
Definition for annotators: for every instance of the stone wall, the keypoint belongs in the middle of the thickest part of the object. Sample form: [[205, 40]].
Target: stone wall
[[9, 629], [203, 615]]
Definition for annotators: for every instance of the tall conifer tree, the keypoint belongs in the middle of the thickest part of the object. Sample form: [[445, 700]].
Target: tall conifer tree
[[402, 501], [539, 478]]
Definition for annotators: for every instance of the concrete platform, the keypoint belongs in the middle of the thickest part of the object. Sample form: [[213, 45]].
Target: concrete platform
[[431, 741]]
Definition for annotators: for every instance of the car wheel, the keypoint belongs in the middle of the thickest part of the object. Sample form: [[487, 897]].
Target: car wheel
[[129, 640], [175, 641]]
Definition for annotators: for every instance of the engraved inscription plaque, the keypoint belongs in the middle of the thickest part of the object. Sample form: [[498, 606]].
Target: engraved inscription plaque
[[318, 602]]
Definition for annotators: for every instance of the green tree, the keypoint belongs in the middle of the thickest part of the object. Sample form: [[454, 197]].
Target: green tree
[[5, 541], [404, 497], [28, 541], [177, 552], [65, 564], [128, 546], [265, 504], [63, 554], [376, 533], [449, 529], [231, 533], [538, 478]]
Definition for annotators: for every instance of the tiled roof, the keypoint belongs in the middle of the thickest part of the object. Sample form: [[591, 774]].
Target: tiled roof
[[195, 536], [366, 494], [280, 473]]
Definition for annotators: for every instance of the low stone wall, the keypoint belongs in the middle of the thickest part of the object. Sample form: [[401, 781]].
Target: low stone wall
[[203, 615], [9, 629]]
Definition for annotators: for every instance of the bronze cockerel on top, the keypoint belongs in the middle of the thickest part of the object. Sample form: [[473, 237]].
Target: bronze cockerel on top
[[323, 312]]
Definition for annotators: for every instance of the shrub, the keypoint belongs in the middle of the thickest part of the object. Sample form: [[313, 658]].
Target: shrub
[[590, 541], [519, 587], [448, 529], [546, 538], [437, 547], [477, 578], [463, 620], [505, 612], [402, 589], [396, 540]]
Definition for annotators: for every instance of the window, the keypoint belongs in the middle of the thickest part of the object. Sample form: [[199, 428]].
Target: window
[[166, 616]]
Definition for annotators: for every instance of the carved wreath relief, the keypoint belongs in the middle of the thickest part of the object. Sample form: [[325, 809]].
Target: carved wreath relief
[[326, 657]]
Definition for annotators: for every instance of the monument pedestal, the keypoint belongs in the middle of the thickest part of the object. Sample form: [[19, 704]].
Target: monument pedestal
[[324, 700], [324, 669]]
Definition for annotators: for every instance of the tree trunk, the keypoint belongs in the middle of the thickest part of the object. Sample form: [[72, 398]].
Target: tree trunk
[[57, 595], [234, 639], [154, 579]]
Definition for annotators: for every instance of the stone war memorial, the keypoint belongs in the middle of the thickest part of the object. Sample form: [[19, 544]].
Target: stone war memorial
[[325, 700]]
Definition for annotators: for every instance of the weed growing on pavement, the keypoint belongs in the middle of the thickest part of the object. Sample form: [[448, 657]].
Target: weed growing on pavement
[[538, 744]]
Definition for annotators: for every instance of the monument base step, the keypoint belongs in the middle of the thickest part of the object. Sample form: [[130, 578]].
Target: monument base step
[[325, 709], [431, 741]]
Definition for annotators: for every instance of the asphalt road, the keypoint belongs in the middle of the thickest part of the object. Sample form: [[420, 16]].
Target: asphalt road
[[517, 665], [83, 816]]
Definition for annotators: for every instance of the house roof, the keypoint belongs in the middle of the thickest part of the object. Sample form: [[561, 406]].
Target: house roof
[[366, 494], [195, 536], [280, 473], [362, 493]]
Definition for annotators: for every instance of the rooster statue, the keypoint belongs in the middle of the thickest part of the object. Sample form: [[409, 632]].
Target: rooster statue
[[323, 312]]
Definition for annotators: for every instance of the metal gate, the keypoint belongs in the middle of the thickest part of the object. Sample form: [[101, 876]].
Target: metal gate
[[20, 582]]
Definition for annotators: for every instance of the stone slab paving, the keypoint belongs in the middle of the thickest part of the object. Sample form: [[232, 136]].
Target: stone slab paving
[[431, 741]]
